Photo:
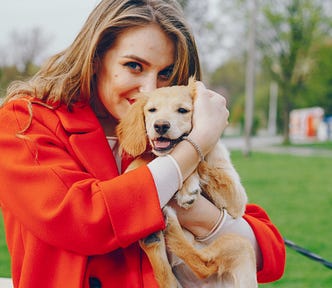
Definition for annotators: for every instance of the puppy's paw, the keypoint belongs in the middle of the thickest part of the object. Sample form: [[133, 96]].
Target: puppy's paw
[[189, 192], [186, 200]]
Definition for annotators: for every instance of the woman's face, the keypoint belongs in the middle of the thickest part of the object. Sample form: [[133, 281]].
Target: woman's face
[[141, 59]]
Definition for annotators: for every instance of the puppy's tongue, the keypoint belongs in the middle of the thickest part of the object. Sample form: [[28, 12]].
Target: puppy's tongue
[[161, 144]]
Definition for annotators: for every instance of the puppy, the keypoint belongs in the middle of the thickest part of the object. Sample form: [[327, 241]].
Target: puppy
[[156, 122]]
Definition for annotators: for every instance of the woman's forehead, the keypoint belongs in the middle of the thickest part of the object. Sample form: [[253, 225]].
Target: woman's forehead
[[149, 43]]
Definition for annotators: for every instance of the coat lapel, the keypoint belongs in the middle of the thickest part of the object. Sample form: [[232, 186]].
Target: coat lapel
[[88, 141]]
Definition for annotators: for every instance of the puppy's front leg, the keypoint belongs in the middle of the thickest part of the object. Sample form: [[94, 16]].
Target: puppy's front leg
[[155, 248], [201, 264], [189, 192], [221, 182], [235, 257]]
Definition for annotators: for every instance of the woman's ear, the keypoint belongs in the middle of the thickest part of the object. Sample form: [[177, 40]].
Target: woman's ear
[[131, 130]]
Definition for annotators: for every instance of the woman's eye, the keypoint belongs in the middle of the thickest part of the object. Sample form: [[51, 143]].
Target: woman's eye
[[166, 74], [183, 110], [134, 66]]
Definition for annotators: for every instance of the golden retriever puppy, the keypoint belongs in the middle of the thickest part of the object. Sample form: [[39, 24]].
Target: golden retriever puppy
[[156, 122]]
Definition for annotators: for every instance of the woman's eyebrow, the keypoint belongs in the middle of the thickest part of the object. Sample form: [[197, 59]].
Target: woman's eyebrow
[[139, 59]]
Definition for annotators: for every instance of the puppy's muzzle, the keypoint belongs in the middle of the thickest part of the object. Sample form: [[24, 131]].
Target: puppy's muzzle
[[161, 126], [162, 144]]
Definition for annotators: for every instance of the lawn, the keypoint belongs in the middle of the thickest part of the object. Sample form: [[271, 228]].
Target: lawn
[[296, 192], [4, 256]]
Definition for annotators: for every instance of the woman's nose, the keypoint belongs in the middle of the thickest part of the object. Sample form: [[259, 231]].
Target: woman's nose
[[148, 84]]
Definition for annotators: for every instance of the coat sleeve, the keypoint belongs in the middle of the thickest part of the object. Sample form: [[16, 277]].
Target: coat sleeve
[[270, 242], [48, 192]]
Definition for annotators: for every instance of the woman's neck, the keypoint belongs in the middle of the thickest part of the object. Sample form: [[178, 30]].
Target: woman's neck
[[109, 125], [107, 121]]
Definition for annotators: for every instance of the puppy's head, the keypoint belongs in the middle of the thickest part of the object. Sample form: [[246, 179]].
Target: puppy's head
[[161, 118], [168, 117]]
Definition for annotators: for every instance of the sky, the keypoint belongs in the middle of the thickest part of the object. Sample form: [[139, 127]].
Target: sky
[[59, 20]]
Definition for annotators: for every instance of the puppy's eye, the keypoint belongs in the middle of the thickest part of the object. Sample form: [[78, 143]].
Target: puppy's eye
[[183, 110], [152, 110]]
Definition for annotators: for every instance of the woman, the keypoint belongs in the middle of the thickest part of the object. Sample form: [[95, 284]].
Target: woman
[[72, 218]]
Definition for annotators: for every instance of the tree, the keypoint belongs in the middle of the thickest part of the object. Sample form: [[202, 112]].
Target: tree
[[19, 60], [215, 24], [229, 77], [318, 88], [28, 47], [291, 29], [7, 75]]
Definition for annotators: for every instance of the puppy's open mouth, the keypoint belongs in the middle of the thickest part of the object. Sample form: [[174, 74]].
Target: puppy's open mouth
[[163, 144]]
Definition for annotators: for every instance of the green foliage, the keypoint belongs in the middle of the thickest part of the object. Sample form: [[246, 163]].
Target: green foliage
[[292, 28], [7, 75], [230, 77], [290, 40], [318, 88], [11, 73]]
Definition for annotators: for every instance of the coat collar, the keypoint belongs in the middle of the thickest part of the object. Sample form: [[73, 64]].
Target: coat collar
[[88, 140]]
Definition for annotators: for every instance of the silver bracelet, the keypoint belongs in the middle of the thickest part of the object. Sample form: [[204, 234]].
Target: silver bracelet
[[220, 222], [195, 145]]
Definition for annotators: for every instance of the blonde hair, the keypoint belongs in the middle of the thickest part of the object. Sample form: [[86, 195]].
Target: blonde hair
[[68, 76]]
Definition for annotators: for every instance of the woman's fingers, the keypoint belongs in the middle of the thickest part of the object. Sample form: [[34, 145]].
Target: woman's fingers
[[210, 116]]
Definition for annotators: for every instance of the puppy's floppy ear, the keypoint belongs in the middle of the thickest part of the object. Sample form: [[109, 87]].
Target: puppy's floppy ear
[[192, 87], [131, 130]]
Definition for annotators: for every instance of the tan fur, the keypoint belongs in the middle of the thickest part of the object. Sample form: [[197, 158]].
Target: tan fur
[[131, 131], [231, 256]]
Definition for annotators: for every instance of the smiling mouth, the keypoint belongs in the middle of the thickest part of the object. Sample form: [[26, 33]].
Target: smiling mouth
[[163, 144], [131, 101]]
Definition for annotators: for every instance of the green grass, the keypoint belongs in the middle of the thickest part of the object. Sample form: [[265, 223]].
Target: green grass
[[296, 192], [4, 255]]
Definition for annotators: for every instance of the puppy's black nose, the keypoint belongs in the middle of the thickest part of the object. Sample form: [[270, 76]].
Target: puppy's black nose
[[161, 126]]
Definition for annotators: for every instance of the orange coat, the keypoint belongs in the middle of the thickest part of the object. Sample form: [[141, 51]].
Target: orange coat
[[62, 203]]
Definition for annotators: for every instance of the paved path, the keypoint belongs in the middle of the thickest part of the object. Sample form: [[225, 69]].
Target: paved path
[[273, 145], [6, 283], [297, 151]]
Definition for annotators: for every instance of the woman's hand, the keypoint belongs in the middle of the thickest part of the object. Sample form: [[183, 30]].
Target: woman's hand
[[200, 218], [210, 118]]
